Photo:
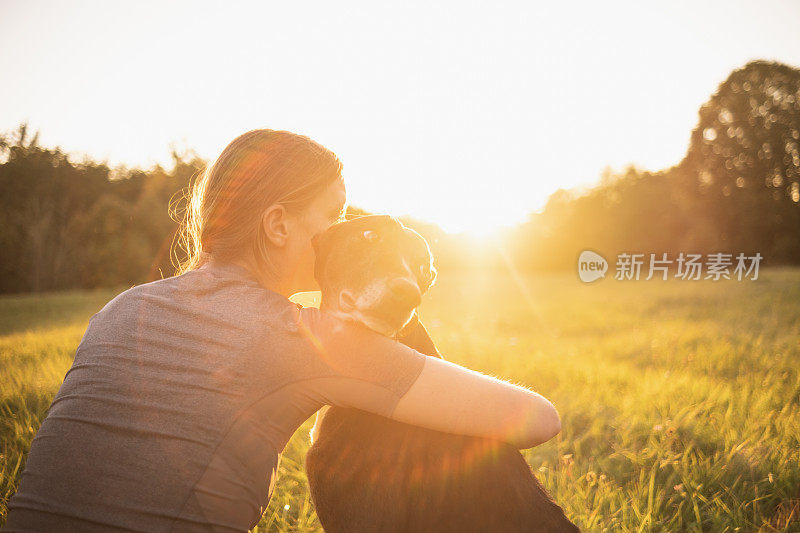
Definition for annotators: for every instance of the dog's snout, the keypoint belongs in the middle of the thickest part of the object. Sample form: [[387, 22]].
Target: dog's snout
[[405, 293]]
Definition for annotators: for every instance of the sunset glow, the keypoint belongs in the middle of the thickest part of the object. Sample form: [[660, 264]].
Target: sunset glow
[[465, 115]]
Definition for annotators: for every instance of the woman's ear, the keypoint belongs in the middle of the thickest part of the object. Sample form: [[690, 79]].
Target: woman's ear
[[274, 224]]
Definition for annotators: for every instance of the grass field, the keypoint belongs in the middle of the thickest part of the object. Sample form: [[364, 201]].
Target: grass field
[[680, 401]]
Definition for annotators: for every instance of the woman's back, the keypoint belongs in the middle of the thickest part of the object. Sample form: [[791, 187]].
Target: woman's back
[[182, 395]]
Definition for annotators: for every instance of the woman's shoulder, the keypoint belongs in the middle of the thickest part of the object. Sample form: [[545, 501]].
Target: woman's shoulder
[[197, 295], [196, 310]]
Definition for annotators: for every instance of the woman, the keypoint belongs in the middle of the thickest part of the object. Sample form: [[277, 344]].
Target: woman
[[184, 391]]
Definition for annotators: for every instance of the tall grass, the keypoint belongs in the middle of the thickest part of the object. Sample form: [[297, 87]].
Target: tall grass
[[680, 401]]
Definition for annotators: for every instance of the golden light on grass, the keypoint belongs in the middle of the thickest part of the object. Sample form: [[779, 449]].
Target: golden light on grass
[[729, 399]]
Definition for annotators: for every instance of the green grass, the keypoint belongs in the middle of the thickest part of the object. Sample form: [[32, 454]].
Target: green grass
[[680, 401]]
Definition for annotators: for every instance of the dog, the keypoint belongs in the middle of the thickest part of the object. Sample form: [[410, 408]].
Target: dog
[[370, 473]]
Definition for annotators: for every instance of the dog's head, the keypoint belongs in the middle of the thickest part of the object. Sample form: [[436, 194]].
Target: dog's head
[[374, 270]]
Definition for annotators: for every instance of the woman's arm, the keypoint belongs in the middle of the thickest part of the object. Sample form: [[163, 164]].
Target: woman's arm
[[382, 376], [450, 398], [530, 419]]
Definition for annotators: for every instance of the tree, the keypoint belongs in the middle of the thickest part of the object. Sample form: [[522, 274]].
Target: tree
[[744, 157]]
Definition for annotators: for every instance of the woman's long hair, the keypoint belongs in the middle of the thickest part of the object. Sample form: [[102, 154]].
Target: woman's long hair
[[221, 213]]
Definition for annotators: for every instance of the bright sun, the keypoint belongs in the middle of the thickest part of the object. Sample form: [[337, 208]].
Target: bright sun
[[481, 224]]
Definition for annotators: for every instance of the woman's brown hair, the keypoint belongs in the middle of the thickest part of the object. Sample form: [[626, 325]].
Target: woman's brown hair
[[260, 168]]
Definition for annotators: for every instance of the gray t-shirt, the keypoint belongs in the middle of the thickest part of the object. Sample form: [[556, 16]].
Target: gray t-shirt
[[182, 395]]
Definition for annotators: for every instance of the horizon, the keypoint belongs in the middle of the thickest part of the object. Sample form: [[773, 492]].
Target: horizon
[[490, 111]]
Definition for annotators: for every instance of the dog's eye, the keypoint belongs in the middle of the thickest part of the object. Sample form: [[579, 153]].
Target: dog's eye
[[371, 235]]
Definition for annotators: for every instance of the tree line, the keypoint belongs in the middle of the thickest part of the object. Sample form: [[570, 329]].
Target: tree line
[[737, 190], [67, 224]]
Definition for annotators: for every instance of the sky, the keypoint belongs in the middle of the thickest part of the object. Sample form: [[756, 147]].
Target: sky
[[466, 114]]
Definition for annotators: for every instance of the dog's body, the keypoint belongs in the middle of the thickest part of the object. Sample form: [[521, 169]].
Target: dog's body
[[370, 473]]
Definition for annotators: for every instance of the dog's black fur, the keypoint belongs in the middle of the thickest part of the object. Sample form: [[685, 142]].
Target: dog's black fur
[[370, 473]]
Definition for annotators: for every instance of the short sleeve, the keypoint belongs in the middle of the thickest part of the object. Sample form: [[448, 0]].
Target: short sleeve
[[366, 370]]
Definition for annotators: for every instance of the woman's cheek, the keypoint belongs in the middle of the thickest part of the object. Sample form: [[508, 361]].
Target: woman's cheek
[[307, 267], [305, 263]]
